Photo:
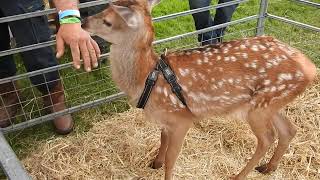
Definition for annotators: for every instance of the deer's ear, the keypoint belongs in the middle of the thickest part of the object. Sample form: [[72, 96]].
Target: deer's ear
[[153, 3], [127, 14]]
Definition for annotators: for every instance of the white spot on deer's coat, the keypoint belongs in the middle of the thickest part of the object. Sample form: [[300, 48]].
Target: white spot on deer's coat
[[184, 88], [220, 83], [184, 72], [205, 60], [299, 74], [227, 58], [281, 87], [242, 46], [173, 99], [233, 59], [268, 65], [199, 61], [165, 92], [267, 82], [253, 65], [265, 56], [262, 70], [285, 76], [202, 76], [209, 54], [262, 47], [194, 76], [181, 105], [273, 89], [284, 57], [254, 48], [213, 87], [218, 58], [245, 55]]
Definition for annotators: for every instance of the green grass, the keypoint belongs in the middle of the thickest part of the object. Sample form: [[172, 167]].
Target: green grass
[[98, 83]]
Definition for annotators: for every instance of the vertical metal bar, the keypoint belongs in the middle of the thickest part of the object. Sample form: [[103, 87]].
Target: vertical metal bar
[[262, 16], [10, 163]]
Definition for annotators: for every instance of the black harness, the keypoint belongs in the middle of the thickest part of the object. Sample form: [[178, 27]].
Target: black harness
[[170, 77]]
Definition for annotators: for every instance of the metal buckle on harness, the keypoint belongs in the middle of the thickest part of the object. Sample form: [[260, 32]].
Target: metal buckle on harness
[[152, 78]]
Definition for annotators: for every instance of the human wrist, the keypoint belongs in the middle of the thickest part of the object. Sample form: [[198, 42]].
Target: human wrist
[[70, 20], [69, 13], [69, 16]]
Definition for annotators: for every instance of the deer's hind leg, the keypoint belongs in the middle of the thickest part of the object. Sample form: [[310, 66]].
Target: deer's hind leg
[[286, 131], [261, 125]]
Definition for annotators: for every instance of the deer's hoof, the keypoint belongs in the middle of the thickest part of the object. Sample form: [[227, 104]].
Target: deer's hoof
[[265, 169], [156, 164]]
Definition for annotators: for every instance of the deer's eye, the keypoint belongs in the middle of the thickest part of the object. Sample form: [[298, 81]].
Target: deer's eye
[[107, 23]]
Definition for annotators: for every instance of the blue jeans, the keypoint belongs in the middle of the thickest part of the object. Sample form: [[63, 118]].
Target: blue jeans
[[203, 20], [26, 32]]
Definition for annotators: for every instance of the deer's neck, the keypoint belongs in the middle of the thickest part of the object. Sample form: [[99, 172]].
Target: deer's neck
[[130, 66]]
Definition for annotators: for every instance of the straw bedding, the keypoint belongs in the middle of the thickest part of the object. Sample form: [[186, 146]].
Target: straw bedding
[[122, 147]]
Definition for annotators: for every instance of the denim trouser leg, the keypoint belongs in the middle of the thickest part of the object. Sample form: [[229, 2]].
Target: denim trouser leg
[[7, 66], [223, 15], [31, 31], [204, 20]]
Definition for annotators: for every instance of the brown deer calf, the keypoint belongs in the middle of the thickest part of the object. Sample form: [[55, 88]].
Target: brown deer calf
[[254, 76]]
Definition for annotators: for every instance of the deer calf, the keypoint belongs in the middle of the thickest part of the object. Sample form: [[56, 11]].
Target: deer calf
[[255, 76]]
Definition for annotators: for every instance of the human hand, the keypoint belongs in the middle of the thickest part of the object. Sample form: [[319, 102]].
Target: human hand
[[80, 42]]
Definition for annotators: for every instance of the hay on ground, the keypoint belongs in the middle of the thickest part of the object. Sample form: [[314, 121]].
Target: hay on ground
[[122, 147]]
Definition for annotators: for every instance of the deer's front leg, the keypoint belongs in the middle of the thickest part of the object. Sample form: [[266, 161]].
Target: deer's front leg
[[176, 136], [159, 160]]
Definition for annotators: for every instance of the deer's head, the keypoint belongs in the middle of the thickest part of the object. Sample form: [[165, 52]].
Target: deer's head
[[123, 21]]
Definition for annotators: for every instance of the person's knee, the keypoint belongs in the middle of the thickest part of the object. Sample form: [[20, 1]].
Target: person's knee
[[7, 67]]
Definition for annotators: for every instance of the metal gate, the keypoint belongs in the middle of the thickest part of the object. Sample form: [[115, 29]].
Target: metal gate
[[81, 82]]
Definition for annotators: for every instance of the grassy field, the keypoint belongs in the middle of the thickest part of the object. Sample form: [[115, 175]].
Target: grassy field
[[82, 87]]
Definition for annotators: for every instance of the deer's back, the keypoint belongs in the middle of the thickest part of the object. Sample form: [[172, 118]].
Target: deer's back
[[256, 72]]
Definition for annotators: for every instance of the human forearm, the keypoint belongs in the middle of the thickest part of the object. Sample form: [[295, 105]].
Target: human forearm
[[65, 4]]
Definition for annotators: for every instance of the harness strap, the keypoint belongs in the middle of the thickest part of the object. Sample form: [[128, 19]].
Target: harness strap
[[149, 84], [171, 79], [151, 81]]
